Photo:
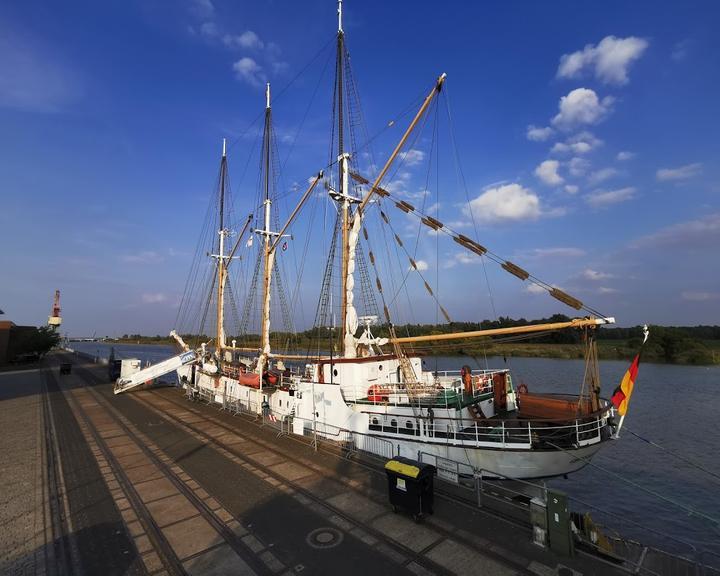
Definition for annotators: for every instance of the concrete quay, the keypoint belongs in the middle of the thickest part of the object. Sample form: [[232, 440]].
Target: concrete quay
[[149, 483]]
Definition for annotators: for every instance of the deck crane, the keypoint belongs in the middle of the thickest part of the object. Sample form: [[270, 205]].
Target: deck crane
[[156, 370]]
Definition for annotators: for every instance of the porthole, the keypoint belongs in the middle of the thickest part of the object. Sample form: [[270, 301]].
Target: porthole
[[393, 423], [374, 421], [335, 372], [380, 367]]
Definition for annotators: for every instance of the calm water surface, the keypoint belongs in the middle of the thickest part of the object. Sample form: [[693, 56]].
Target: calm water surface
[[676, 407]]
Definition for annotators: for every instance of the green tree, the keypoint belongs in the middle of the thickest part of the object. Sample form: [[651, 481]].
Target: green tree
[[33, 340]]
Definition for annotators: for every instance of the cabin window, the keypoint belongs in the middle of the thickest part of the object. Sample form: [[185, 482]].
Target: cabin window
[[317, 414], [380, 367], [279, 402], [393, 423], [374, 421], [335, 372], [408, 425]]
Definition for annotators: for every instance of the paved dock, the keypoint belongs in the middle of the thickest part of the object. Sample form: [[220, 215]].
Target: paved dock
[[150, 483]]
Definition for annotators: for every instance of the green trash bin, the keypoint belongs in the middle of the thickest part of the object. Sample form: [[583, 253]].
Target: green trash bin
[[410, 486]]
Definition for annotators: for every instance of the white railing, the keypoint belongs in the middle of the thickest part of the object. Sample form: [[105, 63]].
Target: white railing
[[581, 432]]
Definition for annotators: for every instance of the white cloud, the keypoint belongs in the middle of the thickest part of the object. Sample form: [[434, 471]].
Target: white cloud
[[154, 298], [421, 265], [202, 8], [145, 257], [247, 70], [248, 40], [537, 134], [509, 202], [594, 275], [602, 198], [581, 106], [702, 233], [606, 290], [209, 29], [601, 175], [460, 258], [535, 289], [581, 143], [610, 59], [682, 173], [557, 252], [547, 171], [578, 166], [681, 50], [412, 157], [33, 77], [571, 189], [625, 155], [700, 296]]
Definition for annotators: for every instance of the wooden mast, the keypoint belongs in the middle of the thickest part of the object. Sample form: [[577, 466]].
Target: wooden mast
[[221, 275], [342, 174], [576, 323], [268, 259]]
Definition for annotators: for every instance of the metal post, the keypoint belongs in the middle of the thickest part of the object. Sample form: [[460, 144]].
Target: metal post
[[577, 432], [315, 445], [478, 484]]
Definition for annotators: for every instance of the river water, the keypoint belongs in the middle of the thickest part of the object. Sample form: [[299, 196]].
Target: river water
[[643, 492]]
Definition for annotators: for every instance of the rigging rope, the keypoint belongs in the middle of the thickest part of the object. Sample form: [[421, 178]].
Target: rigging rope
[[690, 511], [674, 454]]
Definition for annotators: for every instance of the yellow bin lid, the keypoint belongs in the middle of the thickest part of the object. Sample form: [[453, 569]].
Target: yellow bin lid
[[402, 468]]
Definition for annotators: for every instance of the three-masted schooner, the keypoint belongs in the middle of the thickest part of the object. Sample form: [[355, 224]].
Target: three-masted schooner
[[373, 392]]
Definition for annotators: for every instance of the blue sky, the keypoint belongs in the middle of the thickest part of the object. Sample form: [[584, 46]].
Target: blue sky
[[587, 134]]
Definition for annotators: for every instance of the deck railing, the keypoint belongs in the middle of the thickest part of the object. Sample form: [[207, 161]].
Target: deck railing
[[532, 434]]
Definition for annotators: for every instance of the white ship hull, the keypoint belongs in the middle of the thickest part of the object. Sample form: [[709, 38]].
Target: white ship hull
[[321, 409]]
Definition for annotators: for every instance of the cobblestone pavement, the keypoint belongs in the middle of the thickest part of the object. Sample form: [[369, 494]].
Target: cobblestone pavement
[[24, 500]]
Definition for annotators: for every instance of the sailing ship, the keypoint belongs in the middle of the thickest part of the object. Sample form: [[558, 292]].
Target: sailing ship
[[373, 393]]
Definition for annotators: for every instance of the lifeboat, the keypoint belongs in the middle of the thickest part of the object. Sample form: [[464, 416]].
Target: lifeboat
[[252, 379], [377, 393], [249, 379]]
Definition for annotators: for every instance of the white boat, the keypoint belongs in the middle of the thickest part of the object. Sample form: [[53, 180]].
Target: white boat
[[373, 393]]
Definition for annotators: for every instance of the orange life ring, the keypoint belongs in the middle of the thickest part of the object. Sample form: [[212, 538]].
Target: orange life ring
[[522, 389]]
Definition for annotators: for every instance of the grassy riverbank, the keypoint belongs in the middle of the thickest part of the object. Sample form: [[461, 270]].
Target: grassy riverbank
[[672, 345]]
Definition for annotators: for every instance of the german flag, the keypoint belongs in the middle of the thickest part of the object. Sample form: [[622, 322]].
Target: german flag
[[621, 395]]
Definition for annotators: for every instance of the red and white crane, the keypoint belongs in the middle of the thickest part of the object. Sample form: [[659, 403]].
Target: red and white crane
[[54, 320]]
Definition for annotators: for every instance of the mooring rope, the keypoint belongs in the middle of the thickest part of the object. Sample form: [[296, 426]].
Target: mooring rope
[[675, 454], [690, 511]]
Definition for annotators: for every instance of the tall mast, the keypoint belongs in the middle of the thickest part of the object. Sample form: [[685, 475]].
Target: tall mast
[[269, 255], [221, 271], [343, 169]]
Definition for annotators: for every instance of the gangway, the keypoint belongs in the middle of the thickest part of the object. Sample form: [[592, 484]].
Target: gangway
[[155, 371]]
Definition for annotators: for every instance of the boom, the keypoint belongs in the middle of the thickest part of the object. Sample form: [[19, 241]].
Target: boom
[[155, 371]]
